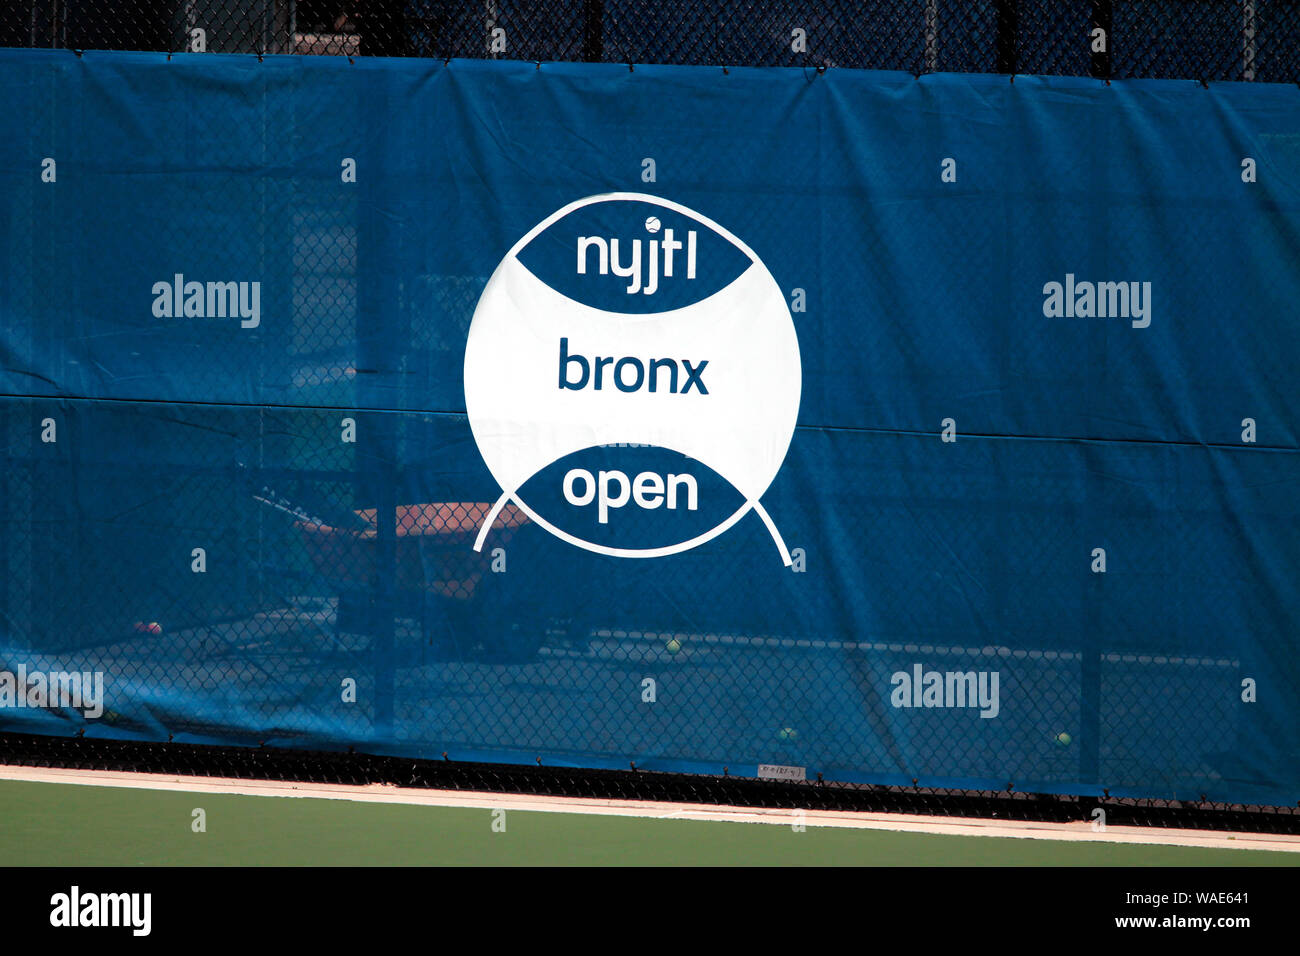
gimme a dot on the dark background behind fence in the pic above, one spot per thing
(1184, 39)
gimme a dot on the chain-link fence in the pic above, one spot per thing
(1194, 39)
(255, 567)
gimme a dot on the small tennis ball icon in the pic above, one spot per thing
(673, 646)
(652, 224)
(1063, 739)
(788, 733)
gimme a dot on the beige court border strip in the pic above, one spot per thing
(901, 822)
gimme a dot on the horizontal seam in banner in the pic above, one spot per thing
(362, 409)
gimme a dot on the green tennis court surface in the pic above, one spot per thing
(75, 825)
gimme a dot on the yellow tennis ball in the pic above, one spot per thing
(1063, 739)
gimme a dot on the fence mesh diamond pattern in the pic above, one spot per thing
(271, 552)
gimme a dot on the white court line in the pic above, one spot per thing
(909, 823)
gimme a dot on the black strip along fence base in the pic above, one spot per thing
(349, 768)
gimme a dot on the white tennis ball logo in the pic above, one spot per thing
(620, 323)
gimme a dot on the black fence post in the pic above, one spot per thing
(1102, 19)
(1090, 689)
(384, 631)
(593, 31)
(1008, 18)
(9, 534)
(380, 346)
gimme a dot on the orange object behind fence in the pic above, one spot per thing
(434, 547)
